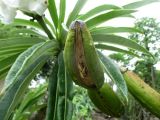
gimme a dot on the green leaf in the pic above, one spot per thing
(27, 32)
(21, 73)
(10, 51)
(23, 22)
(97, 10)
(75, 12)
(67, 105)
(6, 63)
(29, 100)
(19, 41)
(116, 49)
(52, 92)
(99, 19)
(51, 26)
(62, 11)
(106, 30)
(65, 90)
(139, 4)
(118, 40)
(3, 73)
(115, 75)
(53, 12)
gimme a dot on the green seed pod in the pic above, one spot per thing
(107, 101)
(81, 58)
(144, 94)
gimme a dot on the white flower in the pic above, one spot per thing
(32, 6)
(7, 13)
(38, 6)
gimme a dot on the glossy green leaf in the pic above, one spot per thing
(52, 92)
(53, 12)
(118, 40)
(75, 12)
(113, 48)
(106, 30)
(97, 10)
(99, 19)
(21, 73)
(139, 3)
(115, 75)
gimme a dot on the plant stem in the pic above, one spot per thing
(44, 26)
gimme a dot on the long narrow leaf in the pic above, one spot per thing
(91, 23)
(65, 105)
(31, 98)
(21, 73)
(106, 30)
(62, 10)
(52, 92)
(114, 73)
(116, 49)
(118, 40)
(53, 12)
(17, 41)
(24, 22)
(74, 14)
(139, 3)
(27, 32)
(98, 10)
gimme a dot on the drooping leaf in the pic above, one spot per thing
(27, 32)
(118, 40)
(74, 14)
(97, 10)
(21, 73)
(116, 49)
(19, 41)
(139, 3)
(115, 75)
(99, 19)
(23, 22)
(106, 30)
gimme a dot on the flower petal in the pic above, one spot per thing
(38, 6)
(32, 6)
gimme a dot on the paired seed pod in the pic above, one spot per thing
(106, 100)
(81, 58)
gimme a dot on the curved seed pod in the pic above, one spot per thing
(146, 95)
(107, 101)
(81, 58)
